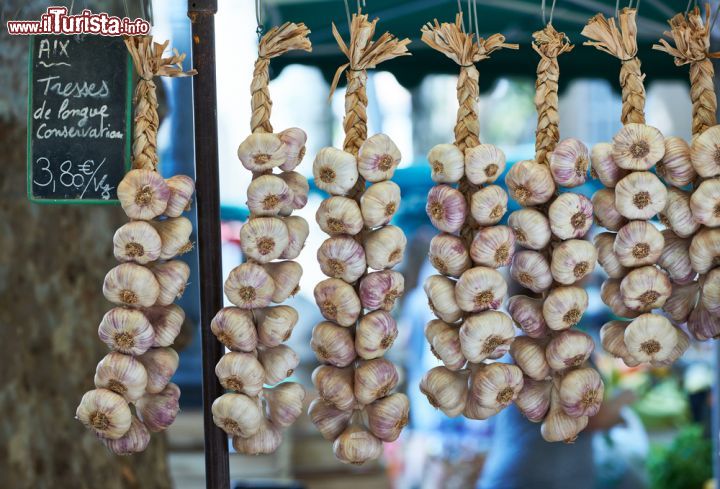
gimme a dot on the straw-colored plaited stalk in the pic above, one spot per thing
(692, 46)
(362, 53)
(621, 43)
(148, 59)
(277, 41)
(461, 47)
(549, 44)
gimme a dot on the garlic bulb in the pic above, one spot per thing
(388, 416)
(264, 239)
(569, 163)
(445, 390)
(638, 147)
(484, 163)
(132, 285)
(485, 335)
(564, 307)
(533, 400)
(329, 420)
(378, 157)
(447, 163)
(705, 250)
(166, 321)
(268, 195)
(527, 314)
(380, 290)
(374, 379)
(174, 235)
(645, 289)
(182, 188)
(558, 425)
(678, 214)
(681, 302)
(275, 324)
(607, 215)
(335, 171)
(705, 203)
(475, 410)
(279, 363)
(703, 153)
(480, 289)
(703, 324)
(448, 255)
(339, 215)
(711, 291)
(126, 330)
(440, 292)
(299, 189)
(650, 338)
(356, 446)
(488, 205)
(237, 414)
(160, 365)
(294, 140)
(531, 270)
(335, 386)
(285, 403)
(375, 334)
(604, 242)
(337, 301)
(675, 258)
(265, 441)
(496, 385)
(446, 207)
(638, 243)
(333, 344)
(379, 203)
(137, 241)
(158, 411)
(143, 194)
(611, 295)
(581, 392)
(530, 183)
(342, 257)
(286, 275)
(249, 286)
(571, 216)
(298, 231)
(612, 337)
(569, 349)
(385, 247)
(683, 343)
(604, 167)
(529, 355)
(260, 152)
(240, 372)
(135, 440)
(121, 374)
(640, 195)
(573, 260)
(676, 167)
(445, 344)
(531, 228)
(493, 246)
(235, 328)
(172, 276)
(105, 413)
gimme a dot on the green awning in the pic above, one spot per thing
(516, 19)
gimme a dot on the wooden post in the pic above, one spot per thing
(202, 17)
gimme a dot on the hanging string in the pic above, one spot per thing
(259, 19)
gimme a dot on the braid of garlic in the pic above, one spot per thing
(261, 102)
(633, 92)
(702, 93)
(467, 127)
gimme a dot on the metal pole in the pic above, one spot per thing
(201, 13)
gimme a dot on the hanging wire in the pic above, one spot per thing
(259, 19)
(715, 17)
(125, 7)
(460, 10)
(347, 13)
(477, 25)
(358, 5)
(617, 8)
(552, 12)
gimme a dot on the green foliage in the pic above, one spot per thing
(685, 464)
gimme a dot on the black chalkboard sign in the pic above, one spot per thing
(79, 118)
